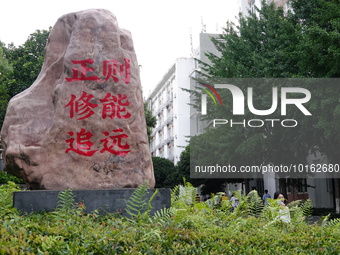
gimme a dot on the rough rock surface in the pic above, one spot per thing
(81, 124)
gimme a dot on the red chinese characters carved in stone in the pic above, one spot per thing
(114, 106)
(83, 71)
(81, 144)
(115, 70)
(111, 69)
(82, 107)
(114, 144)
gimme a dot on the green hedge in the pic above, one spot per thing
(198, 228)
(6, 177)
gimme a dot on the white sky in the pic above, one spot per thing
(160, 29)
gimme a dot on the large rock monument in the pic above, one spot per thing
(81, 124)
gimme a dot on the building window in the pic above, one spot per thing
(171, 151)
(169, 111)
(161, 136)
(160, 118)
(161, 152)
(169, 129)
(297, 185)
(160, 100)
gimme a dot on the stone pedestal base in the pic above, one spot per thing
(105, 201)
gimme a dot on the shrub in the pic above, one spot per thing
(185, 228)
(6, 177)
(164, 172)
(6, 200)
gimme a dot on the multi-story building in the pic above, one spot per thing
(170, 103)
(249, 5)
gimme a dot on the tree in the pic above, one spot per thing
(271, 44)
(264, 44)
(183, 167)
(301, 43)
(164, 170)
(5, 69)
(19, 67)
(320, 45)
(150, 120)
(319, 20)
(183, 172)
(26, 61)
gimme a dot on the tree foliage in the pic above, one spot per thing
(23, 65)
(303, 43)
(5, 69)
(183, 167)
(262, 45)
(320, 45)
(151, 120)
(164, 170)
(26, 61)
(270, 43)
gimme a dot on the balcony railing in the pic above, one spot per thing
(169, 139)
(168, 120)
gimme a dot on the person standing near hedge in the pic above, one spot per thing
(281, 198)
(284, 213)
(265, 196)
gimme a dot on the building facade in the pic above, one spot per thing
(170, 103)
(249, 5)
